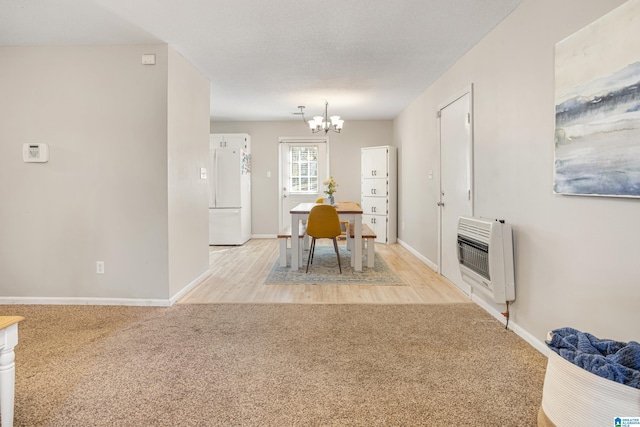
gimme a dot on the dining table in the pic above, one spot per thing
(349, 211)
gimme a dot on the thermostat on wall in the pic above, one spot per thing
(35, 153)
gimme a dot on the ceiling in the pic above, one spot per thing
(368, 58)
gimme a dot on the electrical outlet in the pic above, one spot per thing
(402, 225)
(100, 267)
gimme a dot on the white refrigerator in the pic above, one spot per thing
(229, 192)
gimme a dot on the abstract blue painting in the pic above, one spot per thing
(597, 135)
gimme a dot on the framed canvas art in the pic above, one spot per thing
(597, 97)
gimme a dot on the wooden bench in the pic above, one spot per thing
(369, 236)
(284, 236)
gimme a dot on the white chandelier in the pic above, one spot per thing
(323, 123)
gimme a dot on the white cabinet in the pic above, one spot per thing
(231, 140)
(374, 205)
(379, 172)
(373, 187)
(378, 223)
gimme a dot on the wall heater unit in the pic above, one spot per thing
(485, 256)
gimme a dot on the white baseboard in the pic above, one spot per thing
(190, 286)
(264, 236)
(522, 333)
(84, 301)
(141, 302)
(418, 255)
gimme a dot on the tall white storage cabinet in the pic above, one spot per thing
(379, 171)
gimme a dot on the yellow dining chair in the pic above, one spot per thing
(344, 224)
(323, 223)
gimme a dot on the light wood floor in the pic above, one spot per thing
(239, 272)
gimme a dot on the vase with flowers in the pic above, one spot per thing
(330, 187)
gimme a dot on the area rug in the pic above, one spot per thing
(324, 270)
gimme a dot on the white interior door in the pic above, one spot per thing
(456, 162)
(304, 166)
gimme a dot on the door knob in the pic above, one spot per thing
(440, 204)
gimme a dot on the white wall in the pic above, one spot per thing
(344, 150)
(576, 257)
(104, 193)
(188, 151)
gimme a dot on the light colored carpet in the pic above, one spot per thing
(324, 270)
(273, 365)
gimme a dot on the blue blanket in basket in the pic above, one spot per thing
(614, 360)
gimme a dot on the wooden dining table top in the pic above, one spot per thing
(341, 208)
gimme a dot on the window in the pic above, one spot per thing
(303, 163)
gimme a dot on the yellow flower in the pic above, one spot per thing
(331, 186)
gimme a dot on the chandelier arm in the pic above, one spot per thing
(301, 107)
(326, 112)
(326, 127)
